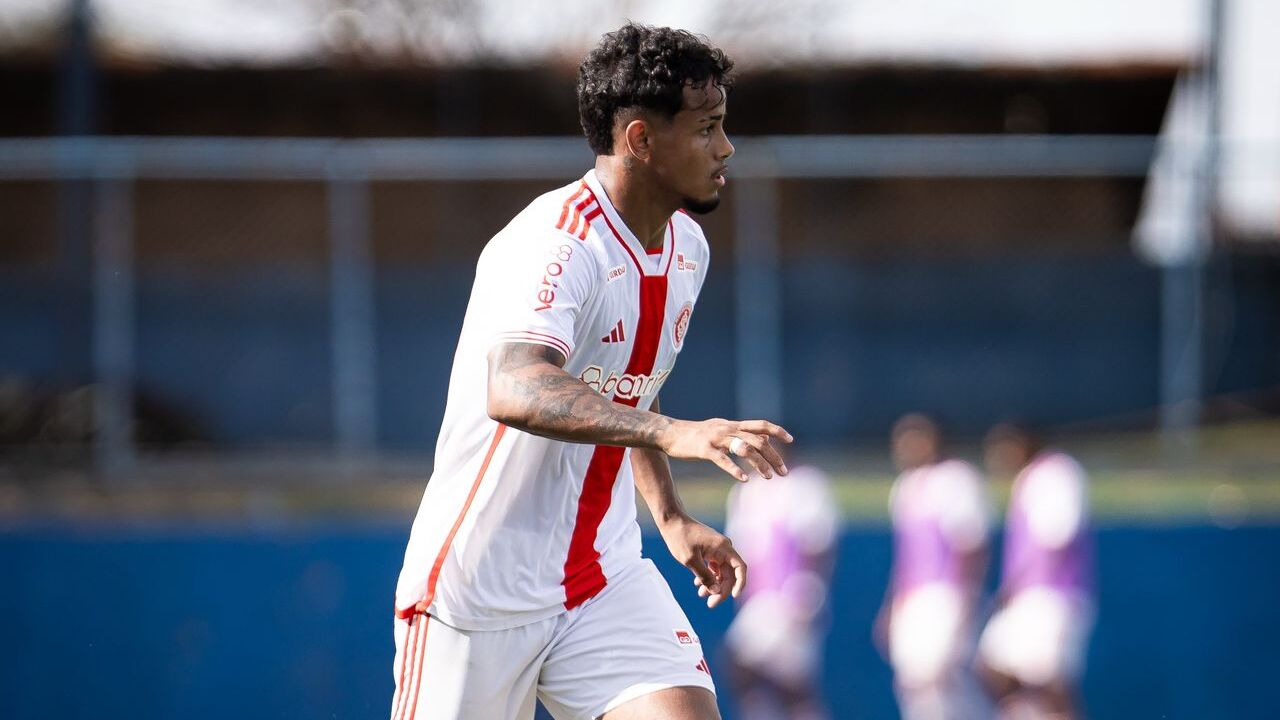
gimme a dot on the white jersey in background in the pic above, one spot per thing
(513, 527)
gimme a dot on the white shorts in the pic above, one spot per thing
(1038, 637)
(775, 639)
(929, 635)
(630, 640)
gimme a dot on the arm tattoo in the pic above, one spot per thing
(538, 396)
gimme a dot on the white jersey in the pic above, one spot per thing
(514, 527)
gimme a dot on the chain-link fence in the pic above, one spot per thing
(305, 295)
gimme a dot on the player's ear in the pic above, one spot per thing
(638, 139)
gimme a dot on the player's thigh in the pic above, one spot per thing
(443, 672)
(676, 703)
(775, 639)
(1031, 639)
(630, 642)
(926, 634)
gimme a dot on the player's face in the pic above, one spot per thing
(1006, 456)
(691, 151)
(914, 448)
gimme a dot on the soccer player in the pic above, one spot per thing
(1032, 649)
(523, 575)
(941, 515)
(786, 531)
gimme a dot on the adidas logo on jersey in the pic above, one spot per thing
(615, 335)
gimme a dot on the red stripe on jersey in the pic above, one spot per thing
(672, 227)
(583, 576)
(564, 211)
(653, 308)
(623, 243)
(577, 213)
(425, 603)
(592, 214)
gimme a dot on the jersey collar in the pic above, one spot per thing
(648, 264)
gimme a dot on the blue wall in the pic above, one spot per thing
(295, 622)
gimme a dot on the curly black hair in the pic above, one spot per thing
(645, 67)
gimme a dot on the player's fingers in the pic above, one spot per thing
(723, 461)
(764, 427)
(739, 566)
(756, 460)
(705, 576)
(728, 579)
(768, 453)
(702, 589)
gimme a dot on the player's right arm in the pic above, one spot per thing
(529, 390)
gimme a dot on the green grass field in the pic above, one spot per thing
(1231, 477)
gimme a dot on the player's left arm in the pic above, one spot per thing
(718, 569)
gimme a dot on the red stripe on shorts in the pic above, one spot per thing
(410, 651)
(422, 660)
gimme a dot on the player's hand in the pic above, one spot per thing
(718, 570)
(720, 441)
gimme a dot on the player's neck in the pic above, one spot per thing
(643, 208)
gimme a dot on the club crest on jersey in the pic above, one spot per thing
(681, 325)
(684, 637)
(625, 386)
(685, 265)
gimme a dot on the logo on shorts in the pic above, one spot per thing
(703, 666)
(684, 637)
(681, 325)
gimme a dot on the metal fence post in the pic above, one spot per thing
(352, 311)
(758, 298)
(113, 323)
(1182, 282)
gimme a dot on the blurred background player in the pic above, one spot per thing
(785, 529)
(1032, 650)
(940, 515)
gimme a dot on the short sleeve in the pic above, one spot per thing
(537, 288)
(1055, 502)
(811, 509)
(963, 510)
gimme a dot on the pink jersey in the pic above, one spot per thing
(781, 527)
(940, 513)
(1047, 540)
(514, 527)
